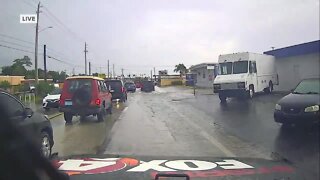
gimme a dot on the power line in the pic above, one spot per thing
(35, 1)
(17, 39)
(28, 3)
(1, 45)
(28, 42)
(51, 57)
(16, 44)
(59, 60)
(58, 21)
(56, 52)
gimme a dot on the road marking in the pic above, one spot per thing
(207, 136)
(55, 115)
(126, 108)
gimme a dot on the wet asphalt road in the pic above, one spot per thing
(173, 122)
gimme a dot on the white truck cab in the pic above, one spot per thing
(244, 74)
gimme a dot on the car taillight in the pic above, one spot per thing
(97, 102)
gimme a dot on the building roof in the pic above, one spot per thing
(85, 77)
(296, 50)
(202, 65)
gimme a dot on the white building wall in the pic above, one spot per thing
(292, 70)
(205, 77)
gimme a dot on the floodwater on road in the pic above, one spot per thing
(83, 136)
(172, 121)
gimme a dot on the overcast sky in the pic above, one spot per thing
(141, 34)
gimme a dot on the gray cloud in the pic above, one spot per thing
(137, 35)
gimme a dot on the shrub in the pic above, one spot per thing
(18, 88)
(43, 88)
(5, 85)
(176, 83)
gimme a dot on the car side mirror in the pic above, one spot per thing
(28, 112)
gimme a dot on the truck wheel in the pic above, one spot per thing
(45, 144)
(222, 98)
(270, 88)
(101, 113)
(286, 126)
(123, 99)
(109, 110)
(100, 117)
(67, 117)
(251, 92)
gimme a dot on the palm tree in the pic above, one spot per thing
(181, 68)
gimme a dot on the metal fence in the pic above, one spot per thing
(26, 97)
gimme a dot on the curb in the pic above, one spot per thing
(55, 115)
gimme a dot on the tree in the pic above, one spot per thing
(18, 67)
(5, 85)
(18, 70)
(181, 68)
(25, 61)
(7, 70)
(43, 88)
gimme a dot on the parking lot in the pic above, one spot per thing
(173, 122)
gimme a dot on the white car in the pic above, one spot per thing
(51, 100)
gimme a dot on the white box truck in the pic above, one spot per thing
(244, 74)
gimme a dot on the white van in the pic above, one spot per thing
(244, 74)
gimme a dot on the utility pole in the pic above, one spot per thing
(151, 74)
(154, 73)
(36, 47)
(73, 71)
(45, 62)
(108, 70)
(89, 68)
(85, 58)
(113, 74)
(122, 72)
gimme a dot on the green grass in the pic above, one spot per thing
(38, 100)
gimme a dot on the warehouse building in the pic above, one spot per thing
(295, 63)
(204, 74)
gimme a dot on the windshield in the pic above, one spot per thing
(225, 68)
(165, 78)
(75, 84)
(56, 92)
(310, 86)
(147, 83)
(240, 67)
(115, 85)
(129, 84)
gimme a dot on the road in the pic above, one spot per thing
(173, 122)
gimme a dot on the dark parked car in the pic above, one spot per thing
(130, 86)
(117, 89)
(84, 96)
(35, 125)
(301, 106)
(147, 86)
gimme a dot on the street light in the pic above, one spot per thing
(49, 27)
(36, 45)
